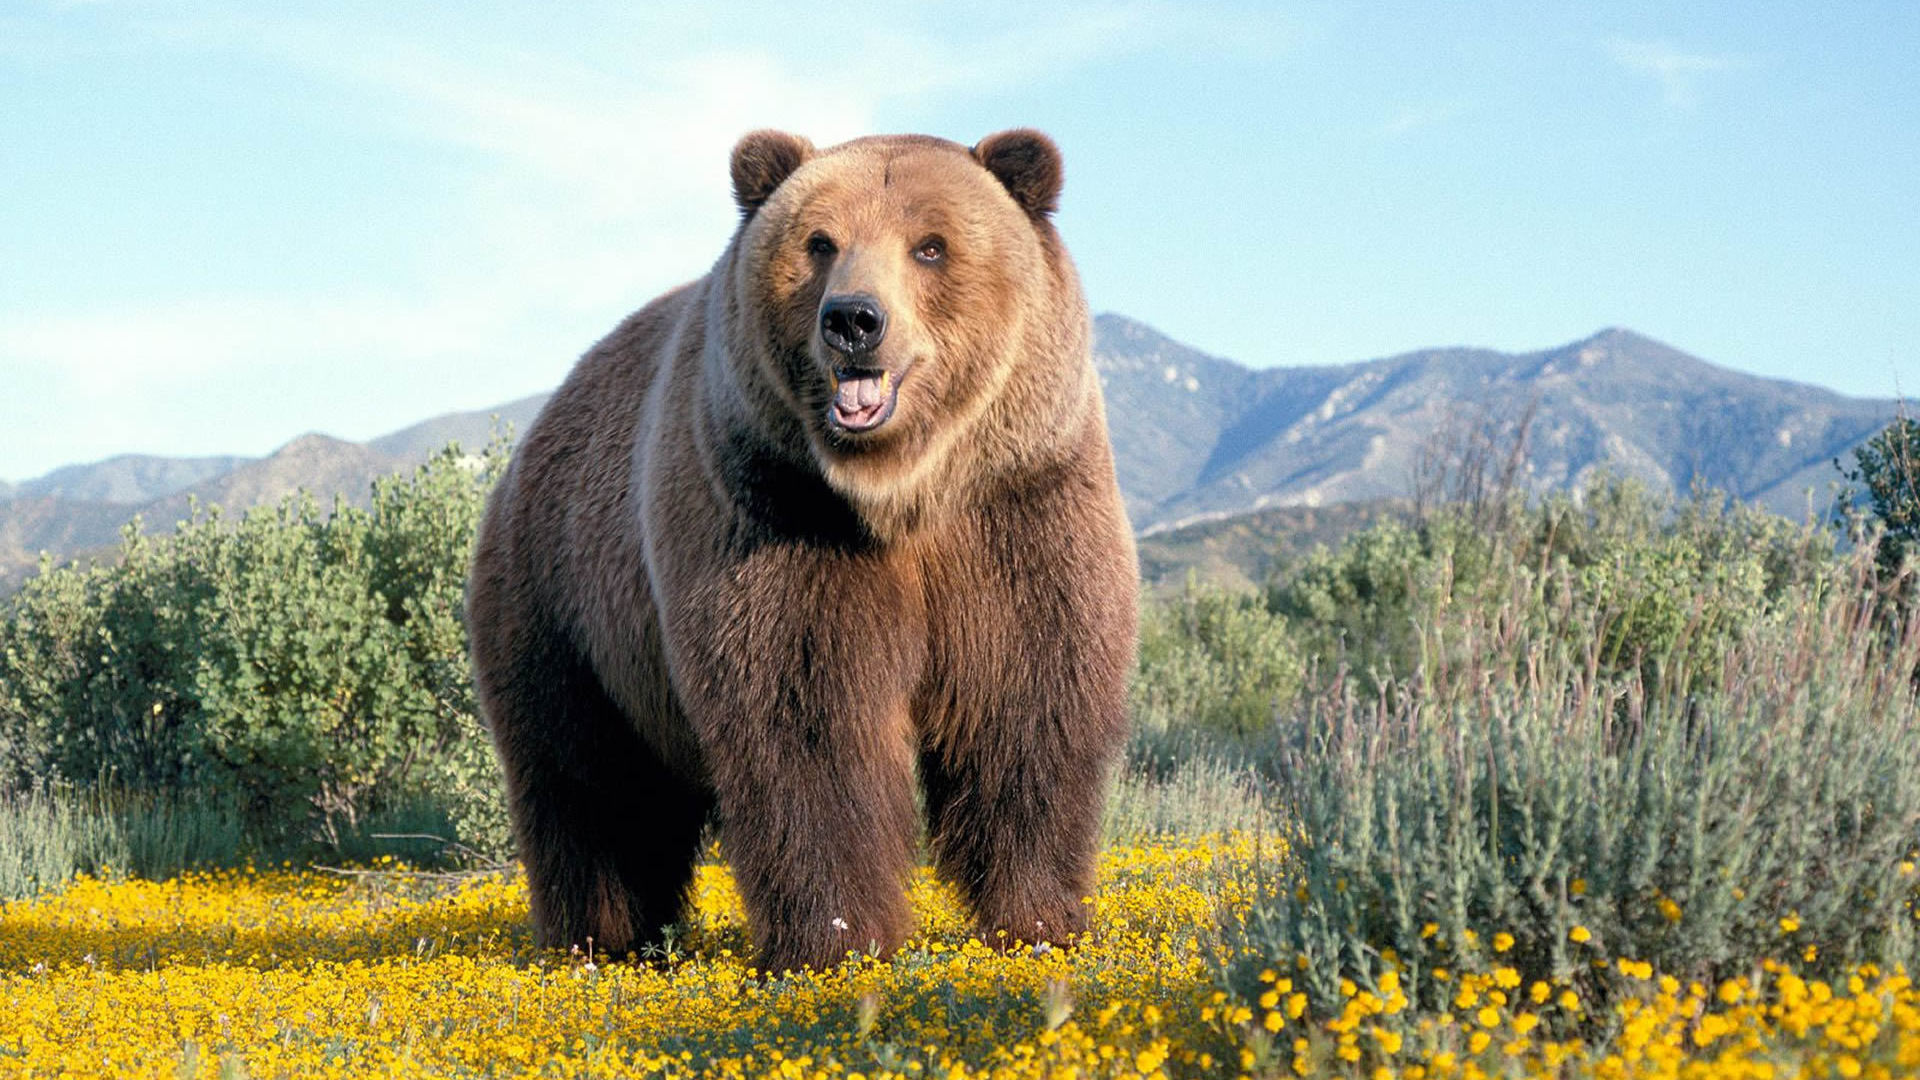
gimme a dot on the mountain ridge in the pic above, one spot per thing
(1614, 399)
(1196, 437)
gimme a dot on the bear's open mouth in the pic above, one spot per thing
(863, 398)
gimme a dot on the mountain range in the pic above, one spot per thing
(1196, 438)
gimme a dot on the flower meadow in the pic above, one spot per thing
(299, 973)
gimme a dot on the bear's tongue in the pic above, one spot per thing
(862, 401)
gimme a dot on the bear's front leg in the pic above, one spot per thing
(1014, 808)
(1024, 715)
(795, 668)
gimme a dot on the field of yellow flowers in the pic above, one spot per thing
(298, 973)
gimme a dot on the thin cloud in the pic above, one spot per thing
(1676, 71)
(137, 350)
(1412, 118)
(587, 190)
(227, 374)
(598, 186)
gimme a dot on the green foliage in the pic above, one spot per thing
(311, 665)
(97, 665)
(1358, 604)
(1887, 466)
(1668, 586)
(1216, 661)
(1670, 733)
(304, 690)
(1670, 724)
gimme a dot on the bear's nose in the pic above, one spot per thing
(853, 323)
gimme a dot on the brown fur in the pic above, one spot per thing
(691, 591)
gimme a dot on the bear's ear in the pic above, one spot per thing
(761, 161)
(1028, 165)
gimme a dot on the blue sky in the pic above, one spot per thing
(224, 225)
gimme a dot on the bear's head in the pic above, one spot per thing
(903, 294)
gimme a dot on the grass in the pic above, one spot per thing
(45, 840)
(51, 832)
(1187, 797)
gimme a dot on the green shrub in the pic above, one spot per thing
(1357, 605)
(1886, 470)
(1527, 786)
(1214, 661)
(1669, 584)
(422, 536)
(312, 666)
(97, 669)
(304, 693)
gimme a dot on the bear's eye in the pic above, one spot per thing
(931, 250)
(821, 245)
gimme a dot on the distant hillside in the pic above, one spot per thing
(318, 463)
(1196, 439)
(1245, 551)
(470, 429)
(69, 527)
(1200, 437)
(62, 527)
(129, 480)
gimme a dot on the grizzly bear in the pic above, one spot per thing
(824, 540)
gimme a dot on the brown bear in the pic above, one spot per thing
(830, 527)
